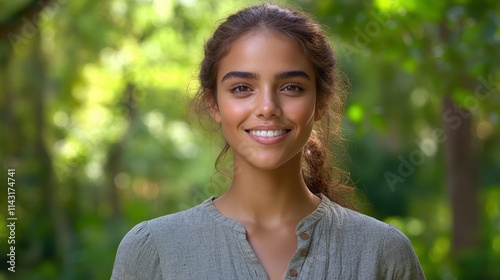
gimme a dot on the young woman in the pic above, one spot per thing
(268, 80)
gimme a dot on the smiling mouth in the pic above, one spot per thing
(268, 133)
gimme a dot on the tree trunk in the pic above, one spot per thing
(10, 139)
(63, 234)
(116, 150)
(461, 176)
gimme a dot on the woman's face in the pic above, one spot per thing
(266, 96)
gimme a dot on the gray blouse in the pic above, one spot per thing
(200, 243)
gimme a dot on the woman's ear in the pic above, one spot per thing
(213, 109)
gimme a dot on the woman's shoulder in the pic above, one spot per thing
(361, 237)
(349, 221)
(147, 229)
(178, 220)
(142, 247)
(171, 226)
(137, 256)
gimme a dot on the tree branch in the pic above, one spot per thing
(15, 21)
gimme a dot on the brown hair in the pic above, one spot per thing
(320, 174)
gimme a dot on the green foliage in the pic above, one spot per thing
(402, 57)
(94, 97)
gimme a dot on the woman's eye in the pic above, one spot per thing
(292, 88)
(240, 89)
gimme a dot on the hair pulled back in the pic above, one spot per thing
(319, 172)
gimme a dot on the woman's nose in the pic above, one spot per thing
(268, 105)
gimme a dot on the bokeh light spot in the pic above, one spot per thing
(122, 180)
(415, 227)
(484, 130)
(419, 97)
(440, 249)
(355, 113)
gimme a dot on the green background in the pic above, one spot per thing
(93, 100)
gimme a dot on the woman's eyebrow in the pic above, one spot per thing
(291, 74)
(255, 76)
(240, 74)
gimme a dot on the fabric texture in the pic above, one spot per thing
(200, 243)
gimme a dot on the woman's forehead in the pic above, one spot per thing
(264, 52)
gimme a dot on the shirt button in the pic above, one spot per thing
(293, 272)
(304, 236)
(303, 252)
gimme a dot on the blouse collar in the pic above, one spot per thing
(308, 222)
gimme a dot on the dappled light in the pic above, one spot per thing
(97, 125)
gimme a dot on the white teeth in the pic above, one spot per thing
(268, 133)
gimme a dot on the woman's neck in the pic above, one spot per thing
(268, 198)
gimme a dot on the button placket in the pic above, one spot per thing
(304, 236)
(303, 252)
(303, 242)
(293, 272)
(305, 246)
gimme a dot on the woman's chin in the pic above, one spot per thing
(267, 162)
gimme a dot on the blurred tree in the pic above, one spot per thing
(448, 49)
(15, 16)
(94, 96)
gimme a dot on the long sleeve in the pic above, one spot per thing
(137, 256)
